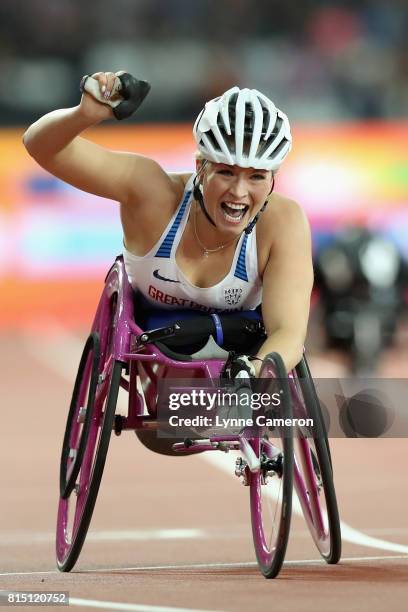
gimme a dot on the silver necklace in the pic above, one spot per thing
(205, 250)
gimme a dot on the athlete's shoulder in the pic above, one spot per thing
(180, 178)
(283, 221)
(285, 211)
(281, 203)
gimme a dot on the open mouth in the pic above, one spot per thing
(234, 213)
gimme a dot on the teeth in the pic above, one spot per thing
(236, 206)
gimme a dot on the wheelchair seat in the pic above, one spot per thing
(200, 335)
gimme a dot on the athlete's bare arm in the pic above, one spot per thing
(55, 143)
(287, 285)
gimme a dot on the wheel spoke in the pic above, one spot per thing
(86, 443)
(271, 494)
(313, 472)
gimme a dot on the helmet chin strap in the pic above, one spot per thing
(251, 224)
(199, 197)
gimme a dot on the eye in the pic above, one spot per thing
(258, 177)
(224, 172)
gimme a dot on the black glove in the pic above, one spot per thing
(133, 93)
(129, 96)
(241, 366)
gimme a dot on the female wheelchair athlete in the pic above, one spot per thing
(118, 353)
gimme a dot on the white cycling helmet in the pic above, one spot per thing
(244, 128)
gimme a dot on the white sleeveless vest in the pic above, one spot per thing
(157, 276)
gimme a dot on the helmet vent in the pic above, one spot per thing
(265, 121)
(278, 149)
(276, 128)
(264, 145)
(245, 128)
(213, 140)
(229, 140)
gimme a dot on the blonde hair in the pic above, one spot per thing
(200, 157)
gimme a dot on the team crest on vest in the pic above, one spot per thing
(232, 295)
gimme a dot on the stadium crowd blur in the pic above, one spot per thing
(321, 59)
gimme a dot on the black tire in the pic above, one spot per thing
(270, 551)
(330, 550)
(322, 461)
(99, 459)
(92, 344)
(312, 402)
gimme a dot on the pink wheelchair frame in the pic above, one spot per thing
(271, 465)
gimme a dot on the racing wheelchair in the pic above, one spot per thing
(119, 353)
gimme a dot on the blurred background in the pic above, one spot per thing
(338, 69)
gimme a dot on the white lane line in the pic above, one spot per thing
(207, 566)
(115, 605)
(56, 359)
(111, 605)
(21, 538)
(134, 535)
(40, 573)
(254, 564)
(349, 534)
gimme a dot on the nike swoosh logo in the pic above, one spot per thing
(168, 280)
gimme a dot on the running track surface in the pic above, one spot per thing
(174, 533)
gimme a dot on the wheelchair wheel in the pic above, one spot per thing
(271, 487)
(79, 416)
(312, 401)
(313, 477)
(313, 481)
(77, 504)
